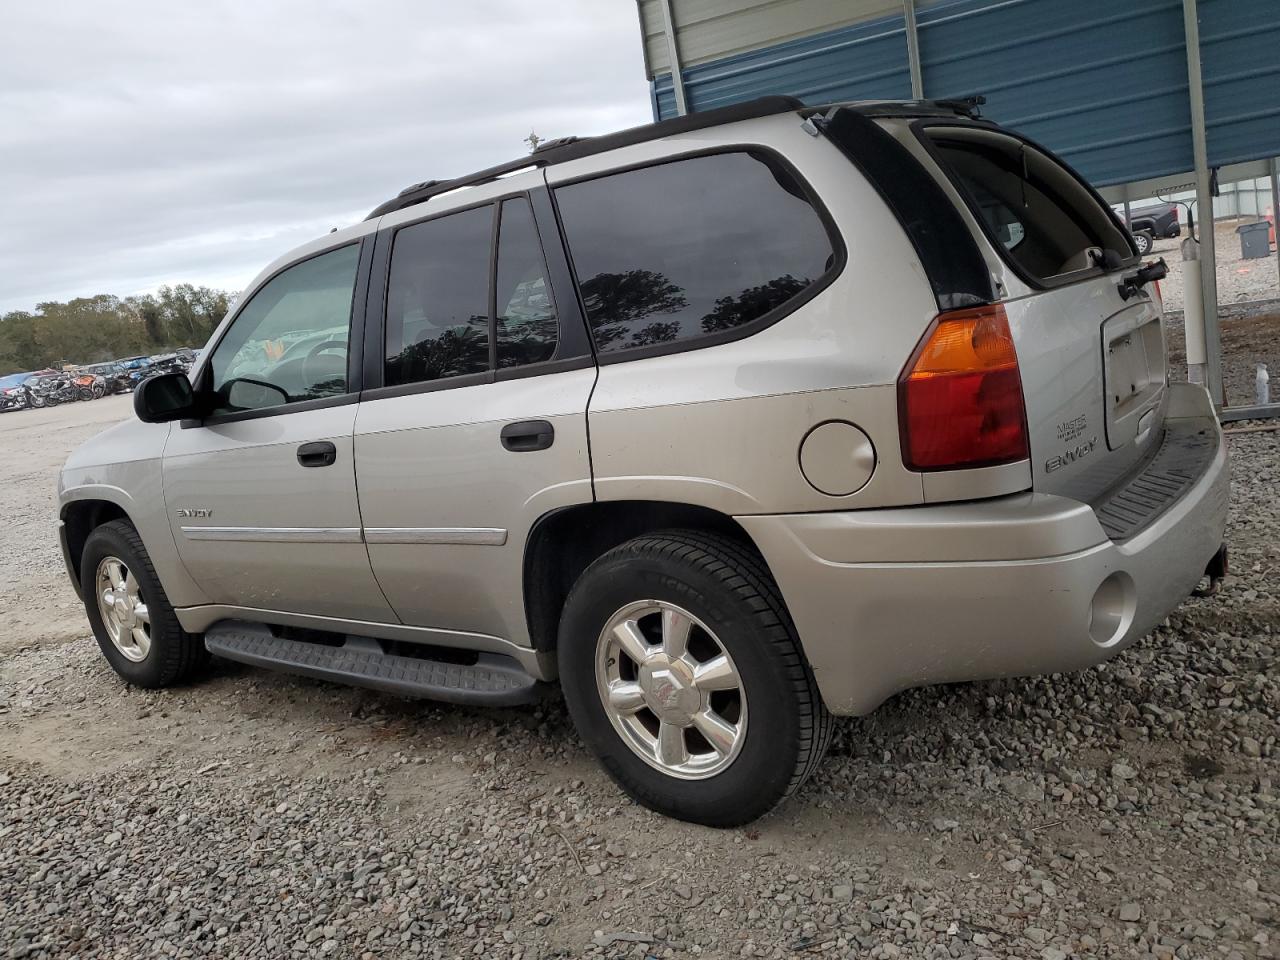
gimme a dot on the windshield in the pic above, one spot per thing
(1044, 220)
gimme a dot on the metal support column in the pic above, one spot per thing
(673, 53)
(913, 49)
(1275, 206)
(1204, 200)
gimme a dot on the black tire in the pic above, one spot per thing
(174, 656)
(1144, 240)
(725, 585)
(99, 391)
(38, 402)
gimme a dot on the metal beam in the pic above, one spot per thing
(913, 49)
(1275, 205)
(1179, 182)
(673, 53)
(1204, 204)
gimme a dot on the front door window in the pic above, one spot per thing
(289, 342)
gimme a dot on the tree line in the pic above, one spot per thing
(93, 329)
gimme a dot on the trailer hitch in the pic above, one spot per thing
(1216, 571)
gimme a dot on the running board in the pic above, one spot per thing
(494, 680)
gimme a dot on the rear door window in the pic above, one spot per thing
(692, 248)
(438, 298)
(526, 330)
(1043, 219)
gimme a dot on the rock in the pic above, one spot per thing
(1130, 912)
(602, 939)
(1122, 771)
(1250, 747)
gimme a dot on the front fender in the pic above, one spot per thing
(135, 488)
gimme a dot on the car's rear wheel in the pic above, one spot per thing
(684, 676)
(131, 616)
(1144, 240)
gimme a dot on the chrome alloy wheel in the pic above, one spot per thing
(671, 690)
(123, 609)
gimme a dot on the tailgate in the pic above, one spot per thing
(1094, 382)
(1092, 363)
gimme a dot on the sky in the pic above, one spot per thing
(146, 143)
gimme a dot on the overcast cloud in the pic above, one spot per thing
(145, 143)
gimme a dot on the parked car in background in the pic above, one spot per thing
(727, 424)
(1151, 223)
(114, 374)
(13, 395)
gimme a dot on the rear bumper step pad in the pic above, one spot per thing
(494, 680)
(1178, 461)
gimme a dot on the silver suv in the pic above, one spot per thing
(729, 424)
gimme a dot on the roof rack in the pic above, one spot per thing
(571, 148)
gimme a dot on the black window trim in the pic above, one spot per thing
(573, 350)
(355, 342)
(700, 341)
(920, 128)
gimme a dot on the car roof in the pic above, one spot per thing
(571, 148)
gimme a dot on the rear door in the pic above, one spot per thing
(1092, 362)
(478, 426)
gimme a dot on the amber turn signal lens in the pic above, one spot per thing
(960, 400)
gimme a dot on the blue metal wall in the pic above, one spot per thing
(1102, 83)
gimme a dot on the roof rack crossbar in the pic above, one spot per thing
(572, 148)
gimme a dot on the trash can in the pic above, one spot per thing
(1255, 240)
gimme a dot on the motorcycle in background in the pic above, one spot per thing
(51, 390)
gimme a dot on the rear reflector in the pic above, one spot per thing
(960, 397)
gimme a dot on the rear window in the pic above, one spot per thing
(1046, 222)
(691, 248)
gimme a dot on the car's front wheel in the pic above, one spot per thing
(131, 616)
(1144, 240)
(683, 674)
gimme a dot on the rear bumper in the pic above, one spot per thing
(1027, 584)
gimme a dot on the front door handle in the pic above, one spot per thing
(321, 453)
(528, 435)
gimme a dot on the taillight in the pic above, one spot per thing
(960, 397)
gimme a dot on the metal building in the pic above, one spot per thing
(1137, 96)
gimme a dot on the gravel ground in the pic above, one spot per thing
(1238, 280)
(1127, 811)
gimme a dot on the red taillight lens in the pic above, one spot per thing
(960, 398)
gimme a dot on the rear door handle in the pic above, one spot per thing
(321, 453)
(528, 435)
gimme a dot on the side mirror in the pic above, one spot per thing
(245, 394)
(163, 398)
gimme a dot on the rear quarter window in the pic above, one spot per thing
(694, 248)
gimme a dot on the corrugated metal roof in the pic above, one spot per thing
(1240, 60)
(1101, 83)
(865, 61)
(713, 29)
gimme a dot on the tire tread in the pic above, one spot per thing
(743, 572)
(184, 658)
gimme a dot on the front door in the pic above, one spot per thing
(480, 425)
(261, 495)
